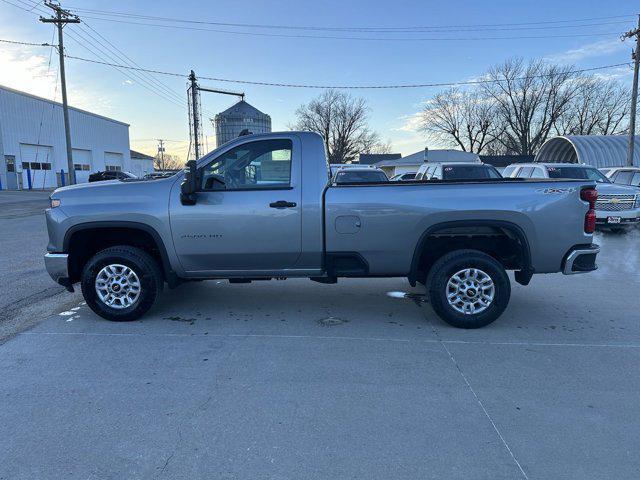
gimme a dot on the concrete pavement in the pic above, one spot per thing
(27, 293)
(299, 380)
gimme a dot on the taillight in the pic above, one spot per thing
(589, 195)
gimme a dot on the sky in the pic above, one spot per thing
(448, 54)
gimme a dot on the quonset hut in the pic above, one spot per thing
(597, 150)
(239, 118)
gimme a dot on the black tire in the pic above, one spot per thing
(144, 266)
(451, 263)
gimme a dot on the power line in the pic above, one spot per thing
(523, 25)
(82, 42)
(337, 37)
(348, 87)
(27, 43)
(131, 62)
(148, 80)
(98, 48)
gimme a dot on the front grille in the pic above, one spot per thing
(615, 203)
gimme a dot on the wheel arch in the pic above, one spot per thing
(515, 230)
(150, 234)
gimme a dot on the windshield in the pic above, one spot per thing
(469, 172)
(577, 173)
(360, 176)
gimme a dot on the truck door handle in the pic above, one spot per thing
(282, 204)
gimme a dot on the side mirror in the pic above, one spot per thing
(188, 187)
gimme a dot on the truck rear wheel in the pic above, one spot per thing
(121, 283)
(468, 288)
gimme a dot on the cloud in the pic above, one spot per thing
(410, 123)
(127, 82)
(618, 73)
(594, 49)
(29, 72)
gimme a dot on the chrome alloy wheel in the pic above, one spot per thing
(470, 291)
(117, 286)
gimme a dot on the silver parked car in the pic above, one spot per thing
(624, 175)
(617, 207)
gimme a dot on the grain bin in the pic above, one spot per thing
(241, 116)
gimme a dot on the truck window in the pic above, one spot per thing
(635, 181)
(509, 170)
(624, 177)
(469, 172)
(263, 164)
(537, 173)
(525, 172)
(360, 176)
(577, 173)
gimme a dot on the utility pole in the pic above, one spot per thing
(634, 90)
(61, 18)
(193, 96)
(161, 152)
(194, 113)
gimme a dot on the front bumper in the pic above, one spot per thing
(581, 259)
(624, 222)
(57, 265)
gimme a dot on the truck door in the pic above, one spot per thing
(247, 217)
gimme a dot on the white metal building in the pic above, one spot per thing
(597, 150)
(32, 142)
(141, 164)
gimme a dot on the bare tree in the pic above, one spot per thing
(461, 119)
(599, 107)
(342, 120)
(167, 162)
(379, 147)
(529, 99)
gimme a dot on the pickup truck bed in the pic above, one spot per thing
(243, 216)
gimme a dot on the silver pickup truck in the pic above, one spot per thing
(263, 206)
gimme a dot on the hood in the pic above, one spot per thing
(115, 186)
(614, 188)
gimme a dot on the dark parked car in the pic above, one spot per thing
(360, 175)
(110, 175)
(457, 171)
(403, 177)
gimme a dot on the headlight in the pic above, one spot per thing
(54, 202)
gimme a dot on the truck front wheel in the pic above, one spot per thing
(468, 288)
(121, 283)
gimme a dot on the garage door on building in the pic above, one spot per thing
(81, 164)
(112, 161)
(37, 161)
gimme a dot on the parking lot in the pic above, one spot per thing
(293, 379)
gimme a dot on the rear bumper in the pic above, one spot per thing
(581, 259)
(57, 265)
